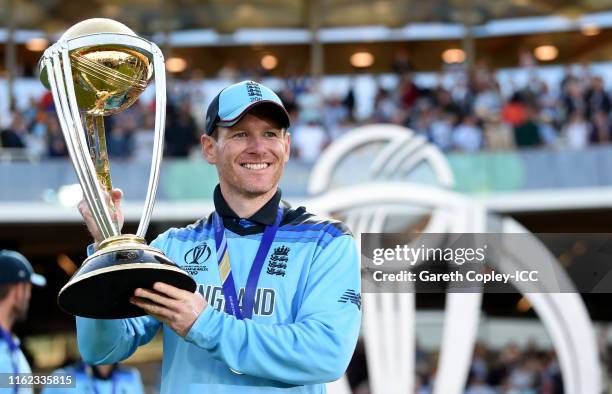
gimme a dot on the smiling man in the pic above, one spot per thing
(278, 305)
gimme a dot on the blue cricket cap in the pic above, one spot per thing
(229, 106)
(14, 268)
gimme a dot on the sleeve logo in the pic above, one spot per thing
(352, 296)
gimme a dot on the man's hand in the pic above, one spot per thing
(116, 214)
(176, 308)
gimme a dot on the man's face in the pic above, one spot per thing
(23, 292)
(250, 156)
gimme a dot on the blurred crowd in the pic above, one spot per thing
(474, 114)
(511, 370)
(36, 131)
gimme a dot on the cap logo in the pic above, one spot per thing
(22, 274)
(254, 91)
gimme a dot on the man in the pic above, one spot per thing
(99, 379)
(284, 315)
(16, 279)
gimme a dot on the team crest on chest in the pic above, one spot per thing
(278, 261)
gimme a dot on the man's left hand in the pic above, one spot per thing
(176, 308)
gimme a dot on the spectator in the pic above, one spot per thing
(597, 99)
(441, 131)
(144, 139)
(514, 112)
(479, 368)
(15, 135)
(552, 383)
(46, 102)
(601, 129)
(311, 105)
(385, 107)
(409, 92)
(498, 134)
(548, 103)
(467, 136)
(444, 100)
(573, 100)
(349, 102)
(297, 83)
(547, 130)
(488, 101)
(478, 385)
(422, 121)
(523, 378)
(287, 96)
(56, 145)
(308, 141)
(197, 98)
(334, 115)
(568, 76)
(527, 134)
(181, 131)
(462, 96)
(31, 111)
(39, 124)
(576, 132)
(119, 142)
(421, 386)
(36, 140)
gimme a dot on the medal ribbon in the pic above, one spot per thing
(232, 305)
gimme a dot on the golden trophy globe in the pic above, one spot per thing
(98, 68)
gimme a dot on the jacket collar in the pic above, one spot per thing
(266, 215)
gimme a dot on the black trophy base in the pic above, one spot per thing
(102, 287)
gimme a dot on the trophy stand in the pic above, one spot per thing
(103, 285)
(98, 68)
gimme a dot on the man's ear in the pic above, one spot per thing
(25, 289)
(12, 293)
(287, 143)
(208, 148)
(17, 291)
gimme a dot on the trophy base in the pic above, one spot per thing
(101, 288)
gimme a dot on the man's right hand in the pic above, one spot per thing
(115, 210)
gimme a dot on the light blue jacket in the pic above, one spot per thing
(305, 323)
(6, 366)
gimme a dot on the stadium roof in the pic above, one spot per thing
(209, 34)
(226, 16)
